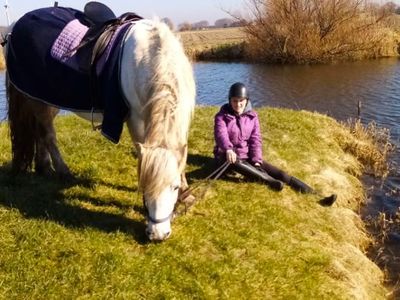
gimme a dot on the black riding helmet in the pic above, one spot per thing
(238, 89)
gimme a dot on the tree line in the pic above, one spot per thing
(220, 23)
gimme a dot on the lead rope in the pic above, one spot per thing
(209, 179)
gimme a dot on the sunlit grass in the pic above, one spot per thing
(85, 239)
(2, 60)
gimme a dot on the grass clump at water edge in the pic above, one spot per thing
(243, 240)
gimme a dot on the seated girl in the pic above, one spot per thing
(238, 141)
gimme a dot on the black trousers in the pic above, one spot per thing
(244, 168)
(275, 172)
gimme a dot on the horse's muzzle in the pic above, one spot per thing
(157, 237)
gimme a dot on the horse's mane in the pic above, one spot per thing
(156, 163)
(167, 108)
(170, 102)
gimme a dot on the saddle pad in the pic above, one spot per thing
(66, 43)
(42, 63)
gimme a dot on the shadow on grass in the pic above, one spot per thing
(207, 165)
(42, 198)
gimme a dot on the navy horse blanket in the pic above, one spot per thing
(44, 62)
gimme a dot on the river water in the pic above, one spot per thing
(331, 89)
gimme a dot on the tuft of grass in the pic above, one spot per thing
(85, 238)
(371, 146)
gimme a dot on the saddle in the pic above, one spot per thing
(98, 13)
(102, 24)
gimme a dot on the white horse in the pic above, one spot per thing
(156, 79)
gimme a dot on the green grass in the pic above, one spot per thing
(85, 239)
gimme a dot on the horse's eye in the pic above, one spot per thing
(175, 187)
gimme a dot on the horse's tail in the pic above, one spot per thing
(22, 125)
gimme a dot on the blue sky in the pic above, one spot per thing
(177, 10)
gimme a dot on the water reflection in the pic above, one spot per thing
(332, 89)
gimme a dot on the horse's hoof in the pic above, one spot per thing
(189, 200)
(184, 204)
(45, 172)
(184, 194)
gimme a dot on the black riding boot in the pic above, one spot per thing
(300, 186)
(246, 169)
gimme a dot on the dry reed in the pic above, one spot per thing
(371, 146)
(2, 60)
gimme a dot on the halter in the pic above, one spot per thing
(162, 220)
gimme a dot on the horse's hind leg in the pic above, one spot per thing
(46, 142)
(22, 129)
(32, 134)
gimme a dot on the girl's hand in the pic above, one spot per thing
(231, 156)
(257, 165)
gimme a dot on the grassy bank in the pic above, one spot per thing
(242, 241)
(214, 44)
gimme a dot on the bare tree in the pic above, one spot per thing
(390, 7)
(316, 30)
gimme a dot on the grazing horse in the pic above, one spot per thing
(144, 80)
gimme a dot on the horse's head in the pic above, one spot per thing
(159, 180)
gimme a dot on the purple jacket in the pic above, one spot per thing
(239, 133)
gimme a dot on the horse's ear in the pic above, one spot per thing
(139, 149)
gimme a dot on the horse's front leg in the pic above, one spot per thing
(42, 158)
(185, 194)
(59, 165)
(184, 184)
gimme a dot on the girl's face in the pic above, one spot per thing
(238, 104)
